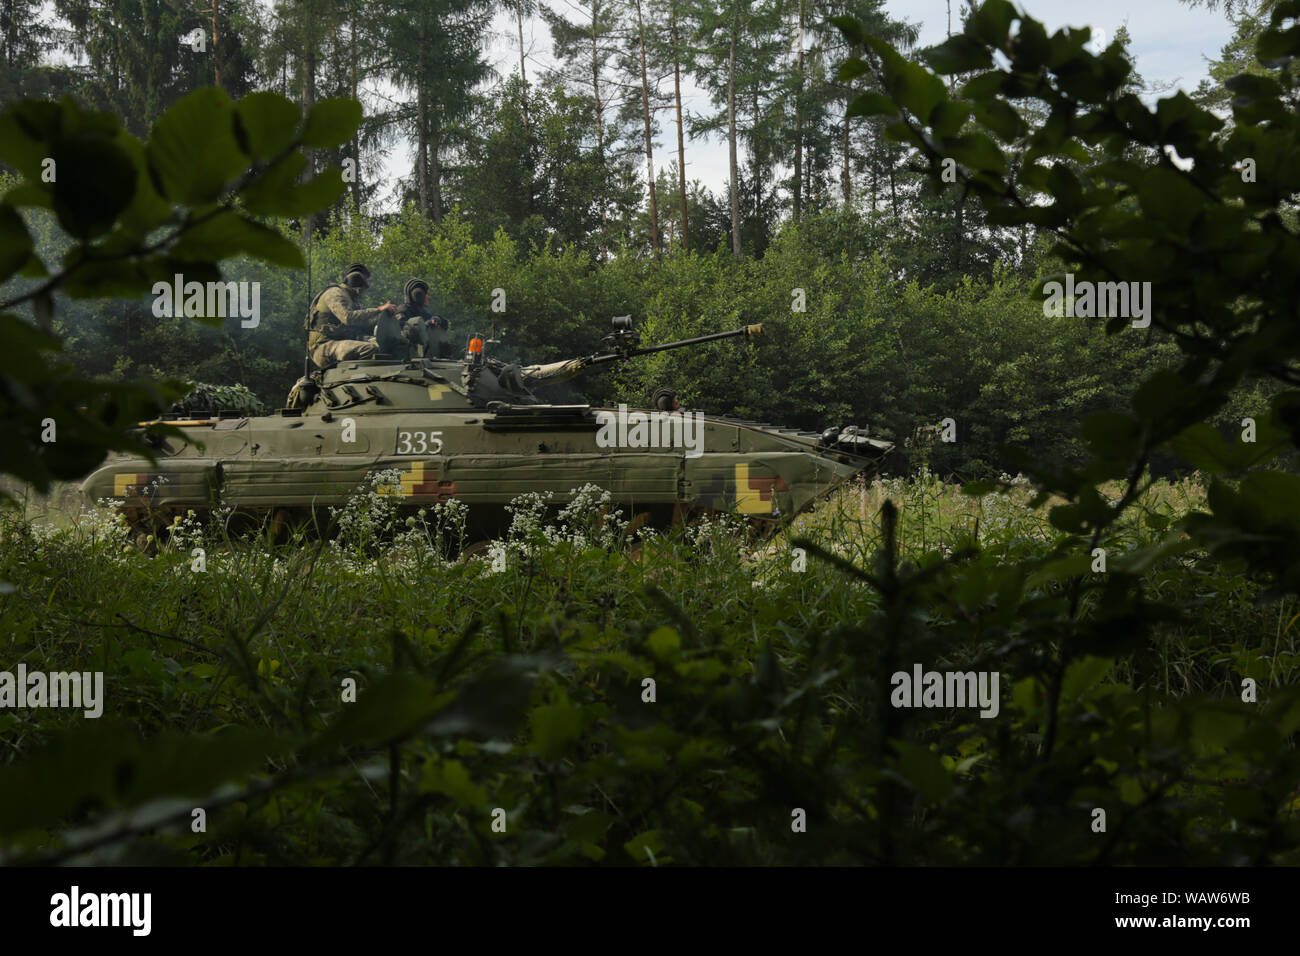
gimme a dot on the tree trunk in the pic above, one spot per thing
(435, 175)
(875, 183)
(681, 140)
(952, 80)
(844, 176)
(731, 137)
(216, 54)
(754, 162)
(798, 123)
(422, 125)
(523, 77)
(649, 145)
(356, 137)
(961, 229)
(600, 132)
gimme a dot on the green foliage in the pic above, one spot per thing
(214, 399)
(685, 702)
(981, 352)
(136, 58)
(138, 213)
(1225, 299)
(529, 696)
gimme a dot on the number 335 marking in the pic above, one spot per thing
(419, 443)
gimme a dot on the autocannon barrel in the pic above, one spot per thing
(569, 368)
(746, 330)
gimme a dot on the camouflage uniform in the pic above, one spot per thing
(302, 394)
(334, 327)
(414, 320)
(412, 310)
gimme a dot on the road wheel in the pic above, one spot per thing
(477, 549)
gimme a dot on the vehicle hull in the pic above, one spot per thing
(295, 467)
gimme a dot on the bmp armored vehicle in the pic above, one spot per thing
(472, 428)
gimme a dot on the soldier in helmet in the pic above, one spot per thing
(419, 327)
(416, 292)
(337, 329)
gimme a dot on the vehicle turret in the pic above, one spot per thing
(474, 381)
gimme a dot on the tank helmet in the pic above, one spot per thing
(357, 276)
(416, 288)
(665, 400)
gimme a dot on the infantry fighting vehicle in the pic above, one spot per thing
(472, 428)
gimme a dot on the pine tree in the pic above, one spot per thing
(522, 9)
(434, 51)
(880, 155)
(675, 55)
(800, 108)
(500, 185)
(649, 129)
(23, 40)
(736, 52)
(585, 47)
(308, 44)
(715, 35)
(143, 55)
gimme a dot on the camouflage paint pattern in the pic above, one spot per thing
(422, 418)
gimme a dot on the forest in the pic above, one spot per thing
(1102, 513)
(544, 187)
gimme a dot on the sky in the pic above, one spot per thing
(1170, 42)
(1169, 38)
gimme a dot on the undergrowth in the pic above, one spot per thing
(694, 696)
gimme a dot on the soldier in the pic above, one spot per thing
(336, 327)
(416, 292)
(418, 326)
